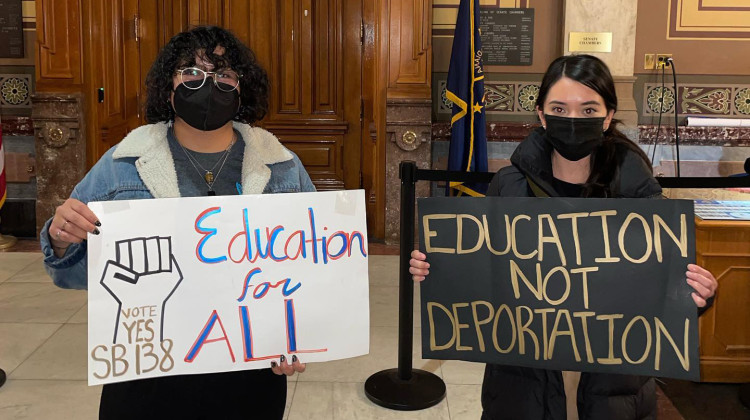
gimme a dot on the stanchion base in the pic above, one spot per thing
(423, 390)
(2, 377)
(7, 242)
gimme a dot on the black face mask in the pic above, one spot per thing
(207, 108)
(574, 138)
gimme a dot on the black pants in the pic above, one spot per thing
(520, 393)
(250, 394)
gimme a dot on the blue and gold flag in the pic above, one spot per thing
(465, 89)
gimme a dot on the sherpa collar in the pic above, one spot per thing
(155, 165)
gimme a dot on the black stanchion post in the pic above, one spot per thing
(408, 175)
(2, 377)
(405, 388)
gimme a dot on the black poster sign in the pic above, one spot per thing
(507, 36)
(592, 285)
(11, 29)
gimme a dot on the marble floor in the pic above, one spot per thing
(43, 350)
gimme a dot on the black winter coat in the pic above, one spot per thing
(519, 393)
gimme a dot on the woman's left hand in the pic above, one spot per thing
(284, 368)
(703, 282)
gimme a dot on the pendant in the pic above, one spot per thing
(211, 193)
(209, 177)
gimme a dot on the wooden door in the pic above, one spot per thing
(114, 76)
(312, 50)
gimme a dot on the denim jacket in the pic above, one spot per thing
(141, 166)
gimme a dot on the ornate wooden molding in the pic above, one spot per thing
(410, 58)
(58, 52)
(333, 127)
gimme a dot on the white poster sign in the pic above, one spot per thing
(215, 284)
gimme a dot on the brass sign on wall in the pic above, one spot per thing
(590, 42)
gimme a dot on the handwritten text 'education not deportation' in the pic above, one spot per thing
(560, 283)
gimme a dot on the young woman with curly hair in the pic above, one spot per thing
(205, 89)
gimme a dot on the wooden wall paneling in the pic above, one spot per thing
(315, 68)
(239, 18)
(112, 61)
(201, 12)
(59, 44)
(290, 59)
(374, 85)
(349, 97)
(723, 247)
(327, 52)
(410, 70)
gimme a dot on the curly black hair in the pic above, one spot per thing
(181, 51)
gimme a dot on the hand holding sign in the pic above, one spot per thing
(703, 282)
(418, 267)
(284, 368)
(142, 267)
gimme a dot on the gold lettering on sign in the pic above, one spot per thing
(590, 42)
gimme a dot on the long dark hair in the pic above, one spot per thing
(605, 160)
(181, 51)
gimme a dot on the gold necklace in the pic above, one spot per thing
(208, 175)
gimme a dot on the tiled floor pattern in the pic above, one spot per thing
(43, 350)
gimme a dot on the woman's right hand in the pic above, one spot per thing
(71, 223)
(418, 267)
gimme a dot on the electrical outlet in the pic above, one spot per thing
(661, 60)
(649, 62)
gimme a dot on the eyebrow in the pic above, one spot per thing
(565, 103)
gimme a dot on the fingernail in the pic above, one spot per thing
(95, 232)
(273, 364)
(98, 223)
(282, 358)
(294, 359)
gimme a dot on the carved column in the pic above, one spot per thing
(408, 127)
(60, 149)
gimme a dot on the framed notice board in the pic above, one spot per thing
(507, 36)
(11, 29)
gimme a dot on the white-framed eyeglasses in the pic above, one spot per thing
(194, 78)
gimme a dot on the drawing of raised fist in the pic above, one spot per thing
(141, 278)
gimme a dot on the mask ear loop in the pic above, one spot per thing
(239, 105)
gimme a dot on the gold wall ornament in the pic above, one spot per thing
(590, 42)
(408, 141)
(55, 135)
(409, 138)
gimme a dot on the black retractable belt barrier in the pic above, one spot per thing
(405, 388)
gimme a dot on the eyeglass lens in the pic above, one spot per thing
(193, 78)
